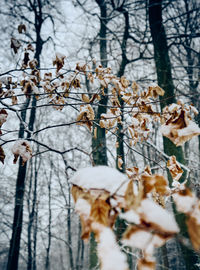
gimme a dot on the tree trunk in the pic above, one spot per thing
(164, 77)
(99, 143)
(14, 249)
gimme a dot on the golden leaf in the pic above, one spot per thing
(155, 91)
(85, 98)
(174, 168)
(155, 181)
(100, 212)
(86, 116)
(129, 196)
(76, 192)
(124, 82)
(134, 87)
(85, 228)
(144, 264)
(2, 155)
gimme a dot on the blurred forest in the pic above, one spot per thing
(54, 59)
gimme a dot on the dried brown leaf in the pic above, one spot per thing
(2, 154)
(100, 212)
(21, 28)
(144, 264)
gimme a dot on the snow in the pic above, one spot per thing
(139, 239)
(153, 213)
(109, 252)
(82, 207)
(180, 136)
(101, 177)
(190, 129)
(131, 216)
(183, 203)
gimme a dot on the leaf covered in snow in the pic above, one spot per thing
(21, 148)
(178, 126)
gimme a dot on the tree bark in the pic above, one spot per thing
(14, 249)
(164, 77)
(99, 143)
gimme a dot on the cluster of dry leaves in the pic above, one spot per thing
(139, 199)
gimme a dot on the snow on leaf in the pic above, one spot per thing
(101, 178)
(136, 237)
(174, 168)
(131, 216)
(158, 217)
(178, 126)
(83, 208)
(184, 200)
(155, 91)
(21, 148)
(109, 253)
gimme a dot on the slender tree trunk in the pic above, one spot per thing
(47, 263)
(99, 142)
(13, 256)
(164, 77)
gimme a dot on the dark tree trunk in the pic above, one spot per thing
(99, 143)
(164, 77)
(13, 256)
